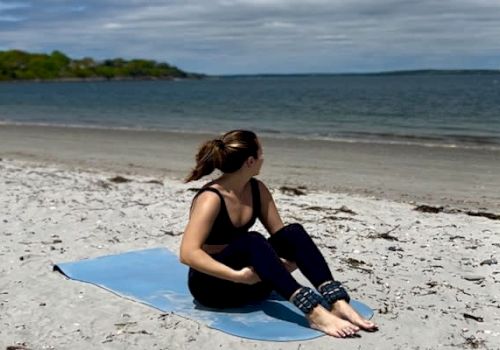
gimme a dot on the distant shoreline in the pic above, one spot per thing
(98, 80)
(193, 76)
(413, 72)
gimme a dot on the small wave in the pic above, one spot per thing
(410, 141)
(420, 143)
(445, 138)
(136, 128)
(446, 141)
(70, 126)
(267, 131)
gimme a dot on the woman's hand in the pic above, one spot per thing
(247, 275)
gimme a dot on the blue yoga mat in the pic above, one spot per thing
(156, 278)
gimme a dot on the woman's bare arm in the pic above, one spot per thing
(203, 214)
(271, 219)
(269, 215)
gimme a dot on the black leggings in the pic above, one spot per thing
(291, 242)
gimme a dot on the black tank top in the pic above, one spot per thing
(223, 231)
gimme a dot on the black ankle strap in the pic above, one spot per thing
(333, 291)
(306, 300)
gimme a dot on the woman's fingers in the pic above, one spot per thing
(249, 275)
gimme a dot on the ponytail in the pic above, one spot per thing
(208, 158)
(227, 153)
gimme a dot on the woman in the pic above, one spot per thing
(230, 266)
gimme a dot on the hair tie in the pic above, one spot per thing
(219, 143)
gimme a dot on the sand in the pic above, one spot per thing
(458, 178)
(433, 278)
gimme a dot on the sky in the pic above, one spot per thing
(263, 36)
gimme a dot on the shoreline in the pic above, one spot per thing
(402, 140)
(461, 178)
(98, 80)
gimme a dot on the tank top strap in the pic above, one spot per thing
(255, 197)
(211, 189)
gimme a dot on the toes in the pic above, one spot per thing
(351, 326)
(353, 333)
(337, 334)
(349, 330)
(368, 324)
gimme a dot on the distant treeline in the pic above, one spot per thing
(20, 65)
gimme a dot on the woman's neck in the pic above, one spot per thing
(233, 182)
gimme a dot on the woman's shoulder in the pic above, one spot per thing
(207, 195)
(262, 186)
(205, 204)
(264, 192)
(213, 186)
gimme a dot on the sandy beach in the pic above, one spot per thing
(454, 177)
(433, 278)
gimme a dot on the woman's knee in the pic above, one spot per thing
(256, 235)
(254, 239)
(256, 246)
(289, 238)
(294, 231)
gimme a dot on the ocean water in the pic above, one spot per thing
(431, 110)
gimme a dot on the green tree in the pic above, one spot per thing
(20, 65)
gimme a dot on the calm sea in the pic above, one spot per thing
(441, 111)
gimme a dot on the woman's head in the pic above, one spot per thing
(227, 153)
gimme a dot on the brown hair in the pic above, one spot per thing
(227, 153)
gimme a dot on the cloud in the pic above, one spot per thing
(6, 7)
(9, 5)
(250, 36)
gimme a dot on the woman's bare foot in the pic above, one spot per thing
(343, 310)
(328, 323)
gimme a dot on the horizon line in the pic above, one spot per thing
(382, 72)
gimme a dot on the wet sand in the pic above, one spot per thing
(452, 177)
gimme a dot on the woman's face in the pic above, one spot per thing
(260, 157)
